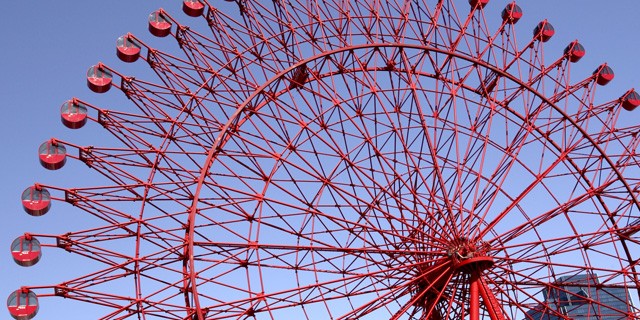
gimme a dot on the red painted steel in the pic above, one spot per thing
(128, 48)
(512, 13)
(193, 8)
(73, 114)
(543, 31)
(631, 100)
(350, 160)
(22, 304)
(604, 74)
(492, 304)
(159, 25)
(36, 200)
(574, 51)
(52, 154)
(478, 4)
(99, 79)
(26, 250)
(474, 296)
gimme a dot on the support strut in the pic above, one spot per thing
(474, 297)
(490, 301)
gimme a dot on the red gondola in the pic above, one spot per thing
(36, 200)
(22, 304)
(26, 250)
(478, 4)
(99, 79)
(128, 49)
(158, 25)
(512, 13)
(193, 8)
(574, 51)
(604, 74)
(73, 114)
(630, 100)
(52, 155)
(543, 31)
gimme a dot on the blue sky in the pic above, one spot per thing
(48, 46)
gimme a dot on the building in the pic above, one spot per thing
(580, 297)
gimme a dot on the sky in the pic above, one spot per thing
(48, 46)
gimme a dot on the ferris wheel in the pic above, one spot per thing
(347, 160)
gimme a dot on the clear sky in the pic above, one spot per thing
(47, 47)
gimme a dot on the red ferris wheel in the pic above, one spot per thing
(348, 160)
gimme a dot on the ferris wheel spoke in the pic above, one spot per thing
(321, 177)
(425, 288)
(361, 230)
(429, 290)
(525, 292)
(534, 222)
(328, 231)
(500, 216)
(468, 157)
(536, 253)
(438, 188)
(320, 293)
(528, 272)
(505, 293)
(492, 305)
(500, 173)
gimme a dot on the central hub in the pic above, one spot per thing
(468, 256)
(465, 260)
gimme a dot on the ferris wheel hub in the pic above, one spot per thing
(469, 256)
(475, 264)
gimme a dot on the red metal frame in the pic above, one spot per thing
(353, 160)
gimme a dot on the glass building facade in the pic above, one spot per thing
(581, 297)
